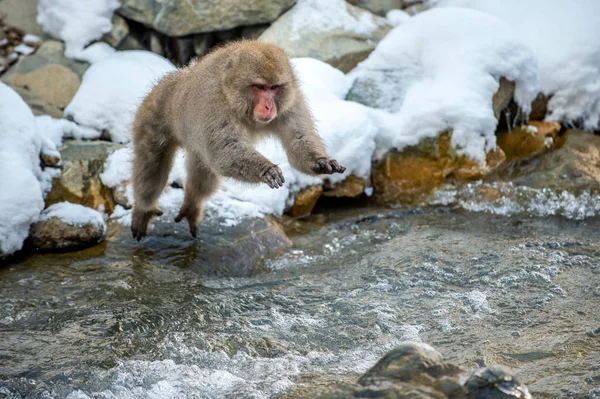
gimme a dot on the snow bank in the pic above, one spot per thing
(76, 22)
(447, 64)
(565, 38)
(112, 89)
(326, 16)
(74, 215)
(23, 182)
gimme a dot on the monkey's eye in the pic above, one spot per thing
(259, 86)
(275, 87)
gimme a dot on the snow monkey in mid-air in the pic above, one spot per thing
(215, 109)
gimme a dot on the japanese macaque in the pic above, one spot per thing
(216, 109)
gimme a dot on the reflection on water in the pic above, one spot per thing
(126, 321)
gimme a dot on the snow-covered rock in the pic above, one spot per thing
(75, 22)
(332, 31)
(68, 226)
(23, 182)
(112, 90)
(565, 38)
(439, 70)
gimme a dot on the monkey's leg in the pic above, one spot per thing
(200, 184)
(303, 146)
(232, 156)
(153, 159)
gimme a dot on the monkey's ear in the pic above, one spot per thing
(229, 63)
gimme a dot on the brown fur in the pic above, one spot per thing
(207, 109)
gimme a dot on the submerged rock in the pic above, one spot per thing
(219, 249)
(341, 40)
(183, 17)
(79, 182)
(67, 226)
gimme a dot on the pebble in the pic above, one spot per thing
(516, 334)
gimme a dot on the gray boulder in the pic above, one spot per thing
(184, 17)
(342, 40)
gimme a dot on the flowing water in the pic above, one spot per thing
(123, 320)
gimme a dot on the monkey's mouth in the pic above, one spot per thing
(264, 120)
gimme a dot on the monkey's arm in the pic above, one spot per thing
(231, 155)
(303, 146)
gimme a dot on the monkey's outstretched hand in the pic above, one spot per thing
(273, 177)
(324, 166)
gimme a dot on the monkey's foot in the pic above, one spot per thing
(324, 166)
(192, 215)
(140, 221)
(273, 177)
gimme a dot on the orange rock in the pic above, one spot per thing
(351, 187)
(305, 201)
(529, 140)
(407, 177)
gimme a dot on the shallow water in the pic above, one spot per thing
(123, 320)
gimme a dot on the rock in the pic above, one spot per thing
(379, 7)
(46, 80)
(67, 226)
(305, 201)
(53, 84)
(49, 159)
(79, 182)
(417, 371)
(119, 31)
(339, 46)
(574, 166)
(528, 140)
(408, 176)
(495, 382)
(22, 14)
(50, 52)
(407, 362)
(221, 250)
(350, 187)
(185, 17)
(37, 105)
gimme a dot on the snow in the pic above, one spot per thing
(565, 38)
(76, 22)
(32, 40)
(447, 77)
(74, 215)
(326, 16)
(112, 89)
(23, 182)
(24, 49)
(396, 17)
(57, 129)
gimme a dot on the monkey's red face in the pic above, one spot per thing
(265, 108)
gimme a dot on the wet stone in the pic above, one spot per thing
(495, 382)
